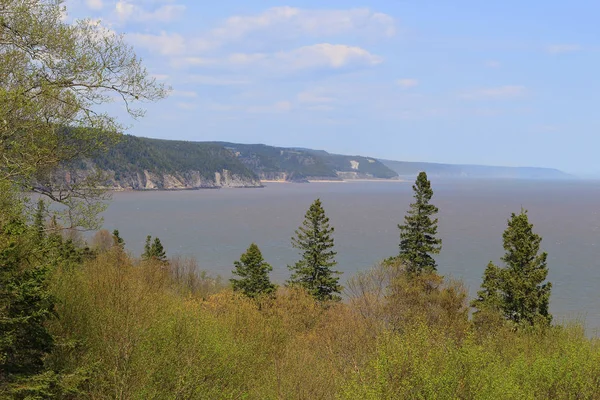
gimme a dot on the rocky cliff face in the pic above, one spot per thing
(177, 181)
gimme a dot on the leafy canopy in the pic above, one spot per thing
(53, 75)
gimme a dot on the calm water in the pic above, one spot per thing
(216, 226)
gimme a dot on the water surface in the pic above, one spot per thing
(217, 226)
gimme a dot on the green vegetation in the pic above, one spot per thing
(418, 239)
(52, 75)
(270, 162)
(133, 155)
(97, 323)
(254, 274)
(517, 291)
(314, 271)
(154, 250)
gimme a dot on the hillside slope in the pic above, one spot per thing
(410, 169)
(142, 164)
(294, 164)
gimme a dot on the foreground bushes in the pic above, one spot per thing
(131, 330)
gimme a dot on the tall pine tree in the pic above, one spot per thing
(418, 239)
(314, 270)
(253, 274)
(518, 290)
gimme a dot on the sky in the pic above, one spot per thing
(508, 83)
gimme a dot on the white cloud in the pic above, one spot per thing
(318, 56)
(290, 22)
(311, 22)
(324, 55)
(128, 10)
(95, 4)
(501, 92)
(185, 62)
(563, 48)
(278, 107)
(407, 83)
(165, 43)
(216, 81)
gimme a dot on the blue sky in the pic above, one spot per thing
(500, 83)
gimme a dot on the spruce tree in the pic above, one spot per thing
(418, 239)
(39, 220)
(117, 239)
(254, 274)
(518, 290)
(314, 270)
(154, 250)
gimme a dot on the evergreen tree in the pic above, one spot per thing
(117, 239)
(39, 220)
(518, 290)
(254, 274)
(314, 271)
(25, 300)
(154, 250)
(418, 234)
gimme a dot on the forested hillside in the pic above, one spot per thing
(297, 164)
(172, 164)
(142, 163)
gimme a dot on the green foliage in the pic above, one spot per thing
(418, 239)
(134, 154)
(518, 290)
(154, 250)
(117, 239)
(25, 301)
(254, 274)
(314, 271)
(53, 74)
(299, 164)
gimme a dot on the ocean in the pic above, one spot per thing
(216, 226)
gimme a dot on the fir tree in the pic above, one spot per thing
(39, 220)
(25, 300)
(154, 250)
(117, 239)
(518, 290)
(254, 274)
(418, 239)
(314, 271)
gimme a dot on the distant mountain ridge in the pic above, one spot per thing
(465, 171)
(156, 164)
(146, 164)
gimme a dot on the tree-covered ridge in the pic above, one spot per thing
(136, 155)
(297, 164)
